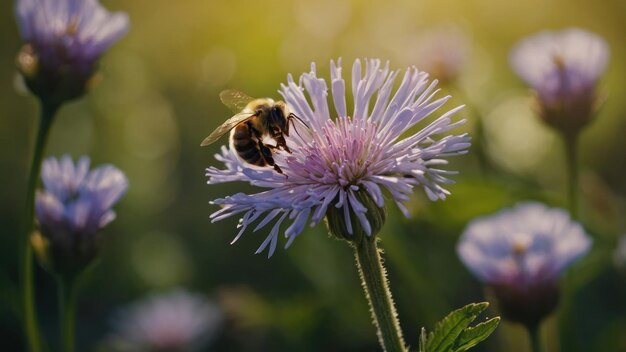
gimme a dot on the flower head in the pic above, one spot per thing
(73, 207)
(521, 253)
(173, 321)
(64, 41)
(563, 68)
(347, 160)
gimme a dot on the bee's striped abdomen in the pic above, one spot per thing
(246, 147)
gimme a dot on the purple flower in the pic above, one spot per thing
(64, 40)
(173, 321)
(346, 165)
(521, 253)
(73, 207)
(563, 68)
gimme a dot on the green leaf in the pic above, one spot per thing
(448, 330)
(470, 337)
(453, 333)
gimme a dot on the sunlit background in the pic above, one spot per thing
(158, 98)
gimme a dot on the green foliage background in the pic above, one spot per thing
(159, 98)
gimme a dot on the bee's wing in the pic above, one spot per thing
(235, 100)
(226, 126)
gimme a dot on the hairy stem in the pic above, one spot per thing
(374, 281)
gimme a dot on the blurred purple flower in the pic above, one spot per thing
(74, 205)
(563, 68)
(64, 40)
(345, 164)
(441, 51)
(176, 321)
(521, 253)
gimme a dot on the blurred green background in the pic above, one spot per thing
(159, 98)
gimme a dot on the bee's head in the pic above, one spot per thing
(278, 123)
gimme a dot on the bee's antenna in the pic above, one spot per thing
(293, 116)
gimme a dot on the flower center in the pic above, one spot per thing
(72, 27)
(343, 153)
(558, 60)
(519, 249)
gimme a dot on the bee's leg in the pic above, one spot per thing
(266, 152)
(282, 143)
(278, 146)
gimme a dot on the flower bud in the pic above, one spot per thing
(74, 206)
(68, 255)
(54, 85)
(563, 68)
(63, 43)
(567, 111)
(337, 223)
(520, 254)
(527, 305)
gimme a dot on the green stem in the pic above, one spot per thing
(30, 317)
(374, 281)
(67, 311)
(535, 340)
(571, 155)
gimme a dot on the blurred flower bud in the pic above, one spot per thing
(563, 68)
(64, 41)
(344, 224)
(71, 210)
(520, 254)
(174, 321)
(528, 304)
(442, 52)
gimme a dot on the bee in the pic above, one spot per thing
(254, 120)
